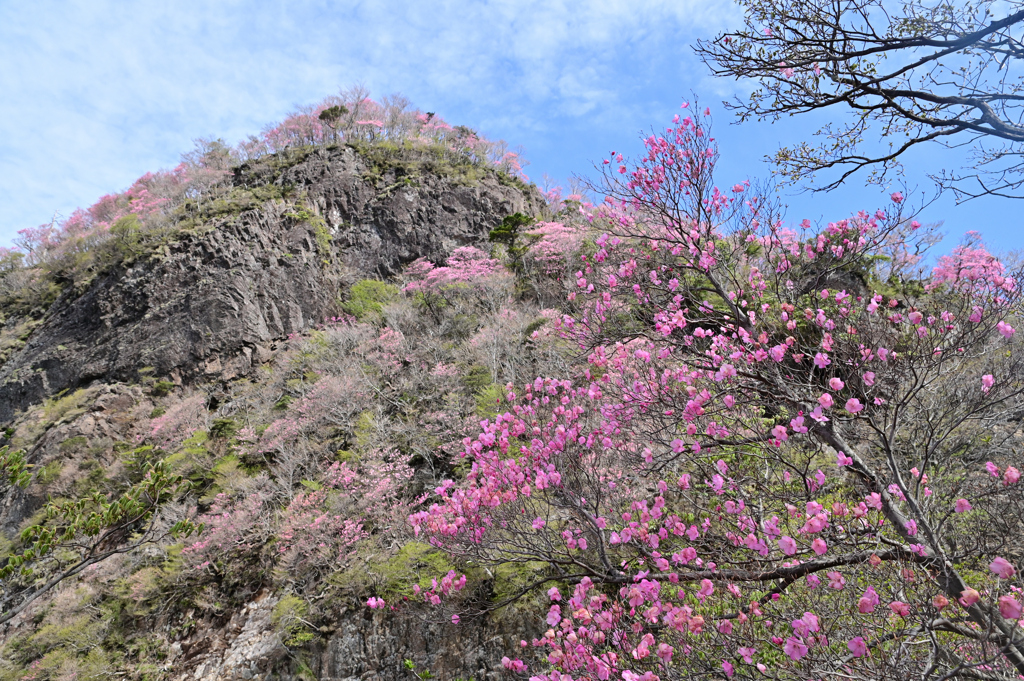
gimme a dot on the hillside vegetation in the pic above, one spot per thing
(659, 437)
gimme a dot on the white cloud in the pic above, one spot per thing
(97, 92)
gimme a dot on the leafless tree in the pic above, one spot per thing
(913, 71)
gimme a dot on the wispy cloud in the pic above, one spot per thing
(98, 92)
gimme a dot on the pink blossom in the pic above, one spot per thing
(836, 580)
(869, 378)
(969, 597)
(1005, 329)
(788, 545)
(843, 460)
(857, 646)
(1011, 476)
(962, 506)
(897, 197)
(806, 625)
(853, 405)
(867, 602)
(819, 546)
(779, 433)
(821, 360)
(992, 469)
(554, 594)
(987, 381)
(1001, 568)
(1009, 607)
(538, 523)
(835, 383)
(795, 648)
(900, 608)
(825, 401)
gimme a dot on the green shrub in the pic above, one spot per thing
(367, 298)
(161, 388)
(224, 428)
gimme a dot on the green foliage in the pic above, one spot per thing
(162, 388)
(224, 428)
(288, 618)
(331, 115)
(511, 236)
(13, 466)
(489, 401)
(366, 298)
(49, 472)
(67, 523)
(393, 576)
(63, 405)
(477, 378)
(73, 444)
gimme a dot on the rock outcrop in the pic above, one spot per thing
(212, 302)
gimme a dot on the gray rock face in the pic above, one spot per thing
(366, 646)
(212, 303)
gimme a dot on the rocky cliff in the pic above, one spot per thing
(213, 300)
(171, 351)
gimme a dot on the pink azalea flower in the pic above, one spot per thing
(992, 469)
(835, 383)
(969, 597)
(1011, 476)
(897, 197)
(538, 523)
(554, 594)
(843, 460)
(869, 378)
(1009, 607)
(900, 608)
(819, 546)
(788, 545)
(987, 381)
(962, 506)
(821, 360)
(1005, 329)
(825, 401)
(1002, 568)
(779, 433)
(867, 602)
(835, 580)
(857, 646)
(806, 625)
(795, 648)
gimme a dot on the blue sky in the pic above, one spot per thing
(97, 93)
